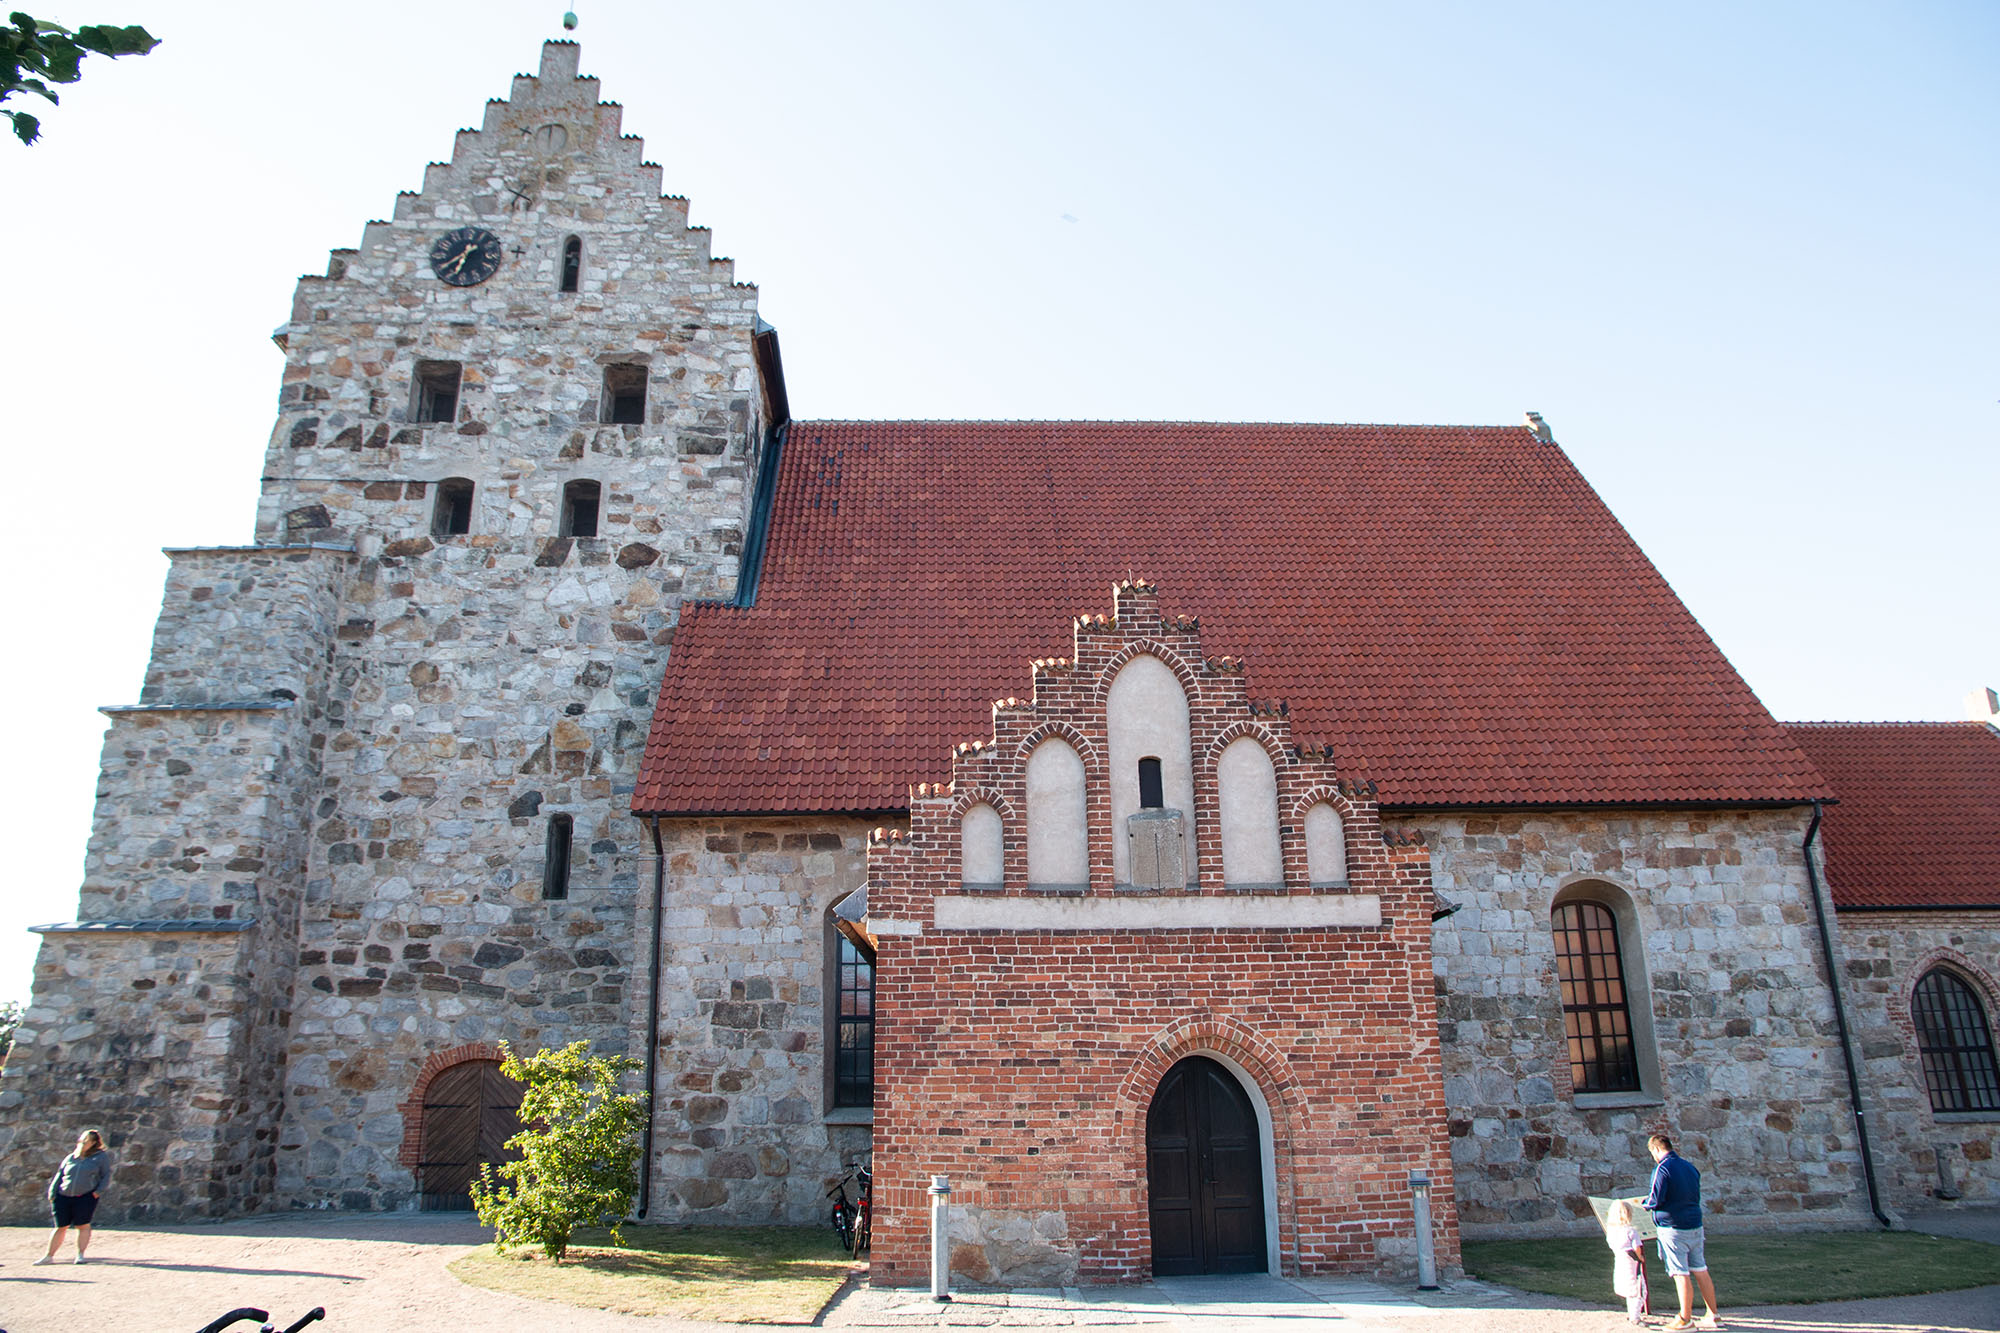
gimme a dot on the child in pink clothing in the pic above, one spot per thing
(1628, 1268)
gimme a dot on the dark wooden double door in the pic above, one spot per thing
(1204, 1173)
(470, 1111)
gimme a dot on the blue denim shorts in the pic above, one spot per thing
(1685, 1251)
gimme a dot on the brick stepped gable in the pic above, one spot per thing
(1040, 1124)
(320, 834)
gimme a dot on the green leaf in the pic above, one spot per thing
(26, 128)
(131, 40)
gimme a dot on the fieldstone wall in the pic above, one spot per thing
(745, 1131)
(409, 707)
(1921, 1155)
(166, 1023)
(1750, 1081)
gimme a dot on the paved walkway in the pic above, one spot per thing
(380, 1272)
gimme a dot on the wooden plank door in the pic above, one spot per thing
(469, 1114)
(1204, 1173)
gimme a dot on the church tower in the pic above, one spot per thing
(367, 818)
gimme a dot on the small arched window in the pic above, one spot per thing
(572, 263)
(1597, 1020)
(1955, 1043)
(555, 856)
(579, 508)
(1152, 787)
(451, 514)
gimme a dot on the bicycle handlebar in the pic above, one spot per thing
(235, 1317)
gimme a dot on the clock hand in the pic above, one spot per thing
(463, 255)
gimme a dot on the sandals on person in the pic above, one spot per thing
(1678, 1322)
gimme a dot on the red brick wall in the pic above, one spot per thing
(1021, 1063)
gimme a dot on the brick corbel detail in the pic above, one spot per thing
(413, 1109)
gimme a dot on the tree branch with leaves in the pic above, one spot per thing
(35, 54)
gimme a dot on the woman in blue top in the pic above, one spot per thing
(1675, 1199)
(73, 1192)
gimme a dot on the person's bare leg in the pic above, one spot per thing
(1684, 1288)
(83, 1243)
(1707, 1286)
(55, 1242)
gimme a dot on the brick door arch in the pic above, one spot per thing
(460, 1113)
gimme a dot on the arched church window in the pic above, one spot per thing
(579, 508)
(1326, 846)
(434, 391)
(572, 263)
(980, 848)
(1955, 1043)
(1058, 843)
(451, 512)
(625, 395)
(556, 855)
(1597, 1020)
(1247, 787)
(851, 1020)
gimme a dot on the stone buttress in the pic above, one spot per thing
(320, 860)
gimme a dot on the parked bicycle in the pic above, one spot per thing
(853, 1219)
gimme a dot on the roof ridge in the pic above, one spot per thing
(1160, 421)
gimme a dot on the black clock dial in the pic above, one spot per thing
(466, 256)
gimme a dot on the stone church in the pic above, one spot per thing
(1185, 837)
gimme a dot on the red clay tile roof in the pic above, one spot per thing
(1918, 824)
(1453, 609)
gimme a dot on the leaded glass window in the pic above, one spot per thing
(1955, 1043)
(854, 1034)
(1597, 1021)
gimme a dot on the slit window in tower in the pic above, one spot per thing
(572, 263)
(625, 395)
(451, 516)
(436, 391)
(1152, 791)
(579, 511)
(555, 858)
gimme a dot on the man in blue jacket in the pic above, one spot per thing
(1675, 1199)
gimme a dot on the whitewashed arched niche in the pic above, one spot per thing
(1146, 716)
(1326, 845)
(1058, 836)
(1247, 785)
(981, 855)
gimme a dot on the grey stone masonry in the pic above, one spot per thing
(1738, 1052)
(354, 733)
(745, 1129)
(1925, 1158)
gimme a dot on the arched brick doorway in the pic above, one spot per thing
(1204, 1173)
(469, 1113)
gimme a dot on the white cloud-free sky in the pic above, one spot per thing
(1742, 257)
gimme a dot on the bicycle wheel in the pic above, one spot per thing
(863, 1229)
(843, 1226)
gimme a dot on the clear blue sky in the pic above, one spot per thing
(1743, 258)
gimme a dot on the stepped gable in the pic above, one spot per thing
(1918, 824)
(1451, 609)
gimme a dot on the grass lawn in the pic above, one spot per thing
(738, 1275)
(1752, 1270)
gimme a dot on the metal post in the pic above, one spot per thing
(1427, 1262)
(940, 1192)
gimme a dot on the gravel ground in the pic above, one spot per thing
(378, 1272)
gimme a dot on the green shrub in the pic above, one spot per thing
(579, 1163)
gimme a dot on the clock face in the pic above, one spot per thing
(466, 257)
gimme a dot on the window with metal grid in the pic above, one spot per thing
(1596, 1019)
(1955, 1043)
(854, 1042)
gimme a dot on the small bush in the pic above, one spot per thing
(579, 1163)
